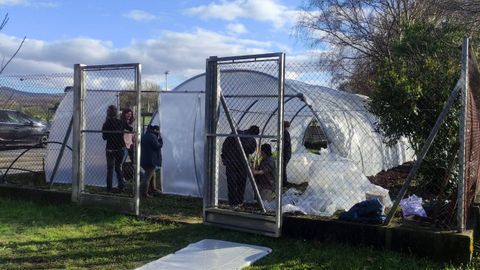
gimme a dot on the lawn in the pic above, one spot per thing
(40, 236)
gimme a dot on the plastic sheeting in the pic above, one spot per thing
(181, 122)
(337, 176)
(343, 116)
(210, 254)
(96, 104)
(336, 183)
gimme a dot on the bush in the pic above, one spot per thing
(411, 88)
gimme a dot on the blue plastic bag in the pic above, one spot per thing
(412, 206)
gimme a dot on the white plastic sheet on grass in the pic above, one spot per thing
(210, 254)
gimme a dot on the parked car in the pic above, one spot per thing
(19, 129)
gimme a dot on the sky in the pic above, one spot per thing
(173, 35)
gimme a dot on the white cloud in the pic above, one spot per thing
(13, 2)
(139, 15)
(28, 3)
(260, 10)
(182, 53)
(236, 28)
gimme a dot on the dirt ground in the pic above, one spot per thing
(392, 179)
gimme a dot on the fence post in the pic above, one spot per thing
(139, 129)
(77, 136)
(462, 127)
(280, 131)
(209, 193)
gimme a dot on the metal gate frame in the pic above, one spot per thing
(212, 215)
(115, 203)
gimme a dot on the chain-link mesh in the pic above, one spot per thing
(338, 155)
(110, 110)
(248, 178)
(28, 104)
(337, 158)
(472, 138)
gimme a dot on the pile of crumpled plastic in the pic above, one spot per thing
(334, 183)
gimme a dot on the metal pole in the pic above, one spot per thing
(166, 80)
(262, 96)
(271, 116)
(280, 128)
(463, 125)
(244, 156)
(210, 115)
(139, 128)
(246, 111)
(77, 160)
(62, 150)
(295, 115)
(413, 172)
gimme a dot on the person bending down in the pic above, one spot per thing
(265, 174)
(236, 168)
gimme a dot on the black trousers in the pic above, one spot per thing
(114, 162)
(284, 169)
(236, 181)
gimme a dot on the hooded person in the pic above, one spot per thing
(150, 159)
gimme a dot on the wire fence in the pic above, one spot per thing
(335, 156)
(28, 105)
(35, 122)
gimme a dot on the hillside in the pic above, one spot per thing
(12, 98)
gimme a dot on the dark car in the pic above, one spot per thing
(19, 129)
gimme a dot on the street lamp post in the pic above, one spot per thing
(166, 80)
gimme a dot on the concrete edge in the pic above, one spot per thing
(438, 246)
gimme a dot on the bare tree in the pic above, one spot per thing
(150, 91)
(360, 32)
(4, 64)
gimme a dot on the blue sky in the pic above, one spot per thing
(161, 35)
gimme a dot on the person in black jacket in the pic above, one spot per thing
(150, 158)
(235, 168)
(112, 132)
(287, 151)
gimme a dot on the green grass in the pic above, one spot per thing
(39, 236)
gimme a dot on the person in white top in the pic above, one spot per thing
(129, 138)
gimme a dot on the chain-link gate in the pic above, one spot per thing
(244, 144)
(100, 140)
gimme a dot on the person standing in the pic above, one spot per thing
(287, 152)
(235, 167)
(129, 138)
(112, 132)
(150, 159)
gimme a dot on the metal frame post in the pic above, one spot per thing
(139, 127)
(77, 136)
(209, 197)
(462, 127)
(280, 130)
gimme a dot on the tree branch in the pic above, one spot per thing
(13, 56)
